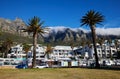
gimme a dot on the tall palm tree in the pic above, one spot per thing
(35, 26)
(90, 19)
(26, 48)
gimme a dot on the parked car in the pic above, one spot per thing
(21, 66)
(118, 63)
(108, 63)
(43, 65)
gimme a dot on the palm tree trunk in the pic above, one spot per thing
(6, 52)
(34, 49)
(94, 44)
(27, 59)
(110, 52)
(3, 55)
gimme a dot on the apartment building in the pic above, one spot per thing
(105, 51)
(16, 52)
(61, 53)
(40, 52)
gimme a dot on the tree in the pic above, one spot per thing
(118, 54)
(48, 51)
(116, 44)
(90, 19)
(35, 26)
(109, 41)
(6, 46)
(101, 41)
(26, 48)
(73, 52)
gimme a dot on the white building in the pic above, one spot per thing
(16, 52)
(104, 51)
(40, 52)
(65, 53)
(61, 53)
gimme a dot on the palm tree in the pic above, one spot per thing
(48, 51)
(101, 41)
(26, 48)
(116, 44)
(90, 19)
(109, 44)
(73, 52)
(35, 26)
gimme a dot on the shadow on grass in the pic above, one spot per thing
(105, 67)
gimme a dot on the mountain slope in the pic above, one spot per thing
(56, 35)
(65, 35)
(12, 27)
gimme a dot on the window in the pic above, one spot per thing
(60, 53)
(41, 56)
(42, 52)
(103, 50)
(55, 50)
(59, 50)
(37, 52)
(37, 56)
(108, 51)
(98, 50)
(113, 51)
(56, 53)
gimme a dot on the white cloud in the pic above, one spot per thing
(102, 31)
(63, 28)
(58, 28)
(84, 30)
(108, 31)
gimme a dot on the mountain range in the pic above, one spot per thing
(55, 35)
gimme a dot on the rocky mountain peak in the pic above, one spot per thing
(10, 26)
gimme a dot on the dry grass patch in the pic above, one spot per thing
(59, 73)
(7, 67)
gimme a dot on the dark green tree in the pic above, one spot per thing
(6, 46)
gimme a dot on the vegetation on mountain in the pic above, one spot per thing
(11, 29)
(16, 38)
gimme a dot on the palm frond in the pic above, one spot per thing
(92, 18)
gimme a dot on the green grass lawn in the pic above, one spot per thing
(59, 73)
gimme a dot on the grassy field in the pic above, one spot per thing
(59, 73)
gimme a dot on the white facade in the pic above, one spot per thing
(61, 53)
(40, 52)
(105, 51)
(64, 52)
(16, 52)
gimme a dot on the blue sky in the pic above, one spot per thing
(61, 12)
